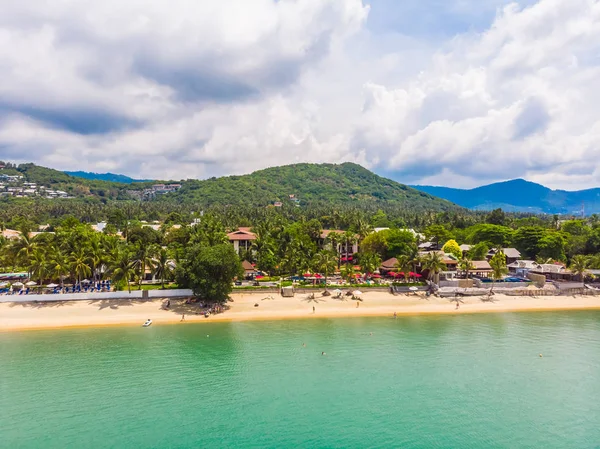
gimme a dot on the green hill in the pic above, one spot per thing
(58, 180)
(311, 184)
(345, 183)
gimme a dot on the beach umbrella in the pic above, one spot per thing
(85, 281)
(413, 289)
(18, 284)
(3, 284)
(52, 285)
(357, 293)
(337, 291)
(30, 284)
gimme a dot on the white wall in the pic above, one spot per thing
(152, 294)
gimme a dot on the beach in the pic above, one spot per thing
(24, 316)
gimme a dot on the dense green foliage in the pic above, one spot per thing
(209, 271)
(309, 183)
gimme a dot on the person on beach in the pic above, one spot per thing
(457, 305)
(395, 315)
(357, 304)
(313, 309)
(183, 317)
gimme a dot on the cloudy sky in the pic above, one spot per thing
(444, 92)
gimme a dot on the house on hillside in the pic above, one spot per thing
(241, 239)
(11, 234)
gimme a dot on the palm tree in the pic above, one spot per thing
(38, 265)
(369, 262)
(325, 262)
(404, 264)
(122, 267)
(498, 264)
(579, 265)
(434, 263)
(80, 264)
(466, 265)
(59, 265)
(144, 259)
(363, 228)
(162, 266)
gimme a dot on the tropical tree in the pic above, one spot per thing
(144, 258)
(579, 265)
(80, 264)
(325, 262)
(209, 271)
(404, 265)
(59, 265)
(369, 262)
(466, 265)
(38, 265)
(162, 266)
(451, 247)
(498, 264)
(122, 267)
(433, 263)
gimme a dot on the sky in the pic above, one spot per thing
(443, 92)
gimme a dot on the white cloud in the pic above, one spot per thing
(191, 88)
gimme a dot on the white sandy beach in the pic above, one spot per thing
(21, 316)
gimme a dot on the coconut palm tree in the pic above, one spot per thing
(80, 264)
(404, 265)
(163, 268)
(122, 267)
(38, 265)
(59, 265)
(579, 265)
(144, 259)
(325, 262)
(434, 263)
(498, 264)
(466, 265)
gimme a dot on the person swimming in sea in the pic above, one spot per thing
(323, 353)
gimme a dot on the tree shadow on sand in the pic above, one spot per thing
(41, 305)
(314, 298)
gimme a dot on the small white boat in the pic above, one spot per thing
(147, 323)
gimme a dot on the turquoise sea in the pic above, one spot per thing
(467, 381)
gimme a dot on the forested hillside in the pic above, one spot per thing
(309, 184)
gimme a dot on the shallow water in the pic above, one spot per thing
(470, 381)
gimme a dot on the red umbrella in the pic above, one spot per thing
(318, 276)
(258, 277)
(376, 276)
(307, 275)
(418, 275)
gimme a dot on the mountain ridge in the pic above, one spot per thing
(520, 195)
(111, 177)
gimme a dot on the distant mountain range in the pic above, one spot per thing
(112, 177)
(519, 195)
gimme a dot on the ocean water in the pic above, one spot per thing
(466, 381)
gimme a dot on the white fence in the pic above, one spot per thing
(137, 294)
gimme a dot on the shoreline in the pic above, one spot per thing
(104, 313)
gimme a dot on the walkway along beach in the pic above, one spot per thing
(111, 312)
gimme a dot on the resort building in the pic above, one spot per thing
(512, 254)
(242, 239)
(346, 250)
